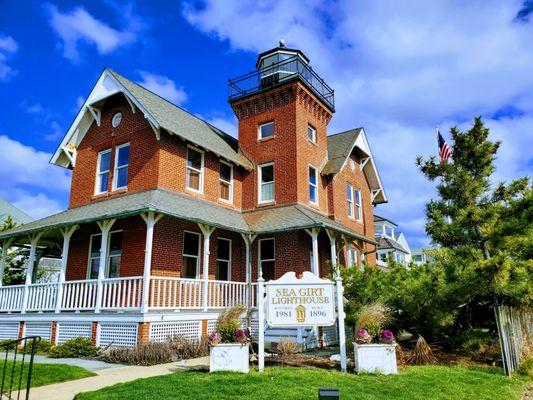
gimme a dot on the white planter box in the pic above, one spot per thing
(230, 357)
(375, 358)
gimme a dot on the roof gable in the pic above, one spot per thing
(9, 210)
(160, 113)
(340, 147)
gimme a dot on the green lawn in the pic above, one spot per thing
(429, 382)
(44, 374)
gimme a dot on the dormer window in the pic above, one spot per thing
(103, 169)
(311, 133)
(117, 119)
(266, 130)
(195, 170)
(226, 182)
(266, 183)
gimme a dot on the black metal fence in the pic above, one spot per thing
(17, 367)
(278, 73)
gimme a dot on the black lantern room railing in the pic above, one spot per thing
(280, 73)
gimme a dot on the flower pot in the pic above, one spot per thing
(230, 357)
(375, 358)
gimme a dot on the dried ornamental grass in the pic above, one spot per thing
(228, 322)
(372, 318)
(422, 354)
(287, 347)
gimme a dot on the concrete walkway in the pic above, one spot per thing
(111, 376)
(91, 365)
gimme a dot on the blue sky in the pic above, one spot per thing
(398, 69)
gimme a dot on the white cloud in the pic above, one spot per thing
(399, 69)
(163, 86)
(78, 26)
(228, 125)
(38, 205)
(55, 132)
(8, 46)
(26, 171)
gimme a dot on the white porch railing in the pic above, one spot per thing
(42, 297)
(165, 293)
(11, 298)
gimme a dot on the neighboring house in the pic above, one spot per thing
(9, 210)
(420, 256)
(392, 244)
(171, 220)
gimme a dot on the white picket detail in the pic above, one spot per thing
(175, 293)
(122, 293)
(222, 294)
(11, 298)
(79, 295)
(42, 297)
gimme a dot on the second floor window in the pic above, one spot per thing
(120, 172)
(195, 170)
(349, 200)
(266, 183)
(191, 255)
(311, 133)
(313, 185)
(358, 204)
(102, 171)
(226, 182)
(266, 130)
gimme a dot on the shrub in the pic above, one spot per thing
(184, 348)
(149, 354)
(6, 344)
(74, 348)
(526, 367)
(287, 347)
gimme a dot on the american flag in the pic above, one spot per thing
(445, 151)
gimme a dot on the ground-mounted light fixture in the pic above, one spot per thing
(328, 394)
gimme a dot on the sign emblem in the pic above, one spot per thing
(300, 314)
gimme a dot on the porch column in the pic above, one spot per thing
(207, 231)
(67, 234)
(313, 232)
(151, 219)
(6, 244)
(248, 240)
(34, 239)
(105, 227)
(332, 235)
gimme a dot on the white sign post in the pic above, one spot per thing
(293, 302)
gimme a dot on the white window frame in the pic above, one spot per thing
(358, 206)
(229, 255)
(191, 255)
(201, 171)
(100, 173)
(260, 259)
(260, 185)
(314, 139)
(230, 201)
(352, 256)
(311, 185)
(116, 167)
(259, 135)
(350, 201)
(107, 263)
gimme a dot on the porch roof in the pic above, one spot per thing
(279, 219)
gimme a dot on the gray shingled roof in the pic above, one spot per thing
(339, 147)
(9, 210)
(189, 127)
(388, 243)
(278, 219)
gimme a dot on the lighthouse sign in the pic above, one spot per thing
(293, 302)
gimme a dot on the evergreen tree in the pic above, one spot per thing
(486, 232)
(14, 273)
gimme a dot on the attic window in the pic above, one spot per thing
(117, 119)
(352, 165)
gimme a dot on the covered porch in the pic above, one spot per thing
(167, 274)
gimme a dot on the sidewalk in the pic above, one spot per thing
(111, 376)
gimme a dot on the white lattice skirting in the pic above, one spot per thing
(9, 330)
(71, 330)
(160, 331)
(42, 329)
(118, 335)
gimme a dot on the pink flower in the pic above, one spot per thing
(362, 332)
(213, 337)
(387, 334)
